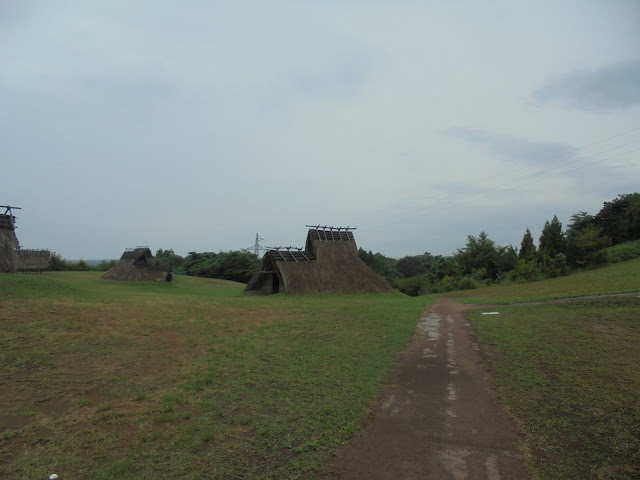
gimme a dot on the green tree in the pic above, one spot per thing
(442, 267)
(79, 266)
(552, 240)
(507, 259)
(480, 257)
(620, 218)
(57, 263)
(412, 286)
(366, 257)
(105, 265)
(585, 241)
(410, 266)
(525, 270)
(197, 264)
(234, 265)
(584, 247)
(384, 266)
(527, 248)
(169, 257)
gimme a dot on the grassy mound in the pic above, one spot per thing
(621, 277)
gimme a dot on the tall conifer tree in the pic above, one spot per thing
(552, 240)
(527, 248)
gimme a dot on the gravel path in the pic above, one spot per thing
(438, 418)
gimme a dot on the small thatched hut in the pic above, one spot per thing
(8, 243)
(139, 264)
(329, 263)
(33, 260)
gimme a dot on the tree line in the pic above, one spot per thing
(57, 264)
(236, 265)
(482, 262)
(479, 263)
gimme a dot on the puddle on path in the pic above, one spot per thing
(430, 325)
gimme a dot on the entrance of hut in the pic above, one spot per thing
(275, 283)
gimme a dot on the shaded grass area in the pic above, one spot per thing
(623, 251)
(621, 277)
(569, 375)
(112, 380)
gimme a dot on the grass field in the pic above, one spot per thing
(114, 380)
(569, 372)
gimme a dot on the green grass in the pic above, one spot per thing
(621, 277)
(623, 251)
(191, 379)
(568, 374)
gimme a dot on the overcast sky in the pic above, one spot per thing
(193, 125)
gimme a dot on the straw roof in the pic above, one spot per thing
(328, 264)
(139, 264)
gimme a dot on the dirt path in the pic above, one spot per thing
(438, 418)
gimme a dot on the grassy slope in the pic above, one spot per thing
(624, 251)
(621, 277)
(111, 380)
(569, 372)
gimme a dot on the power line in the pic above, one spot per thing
(544, 173)
(257, 247)
(445, 197)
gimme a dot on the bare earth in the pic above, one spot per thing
(438, 418)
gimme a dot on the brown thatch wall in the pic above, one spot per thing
(334, 267)
(33, 260)
(139, 264)
(130, 273)
(8, 255)
(338, 269)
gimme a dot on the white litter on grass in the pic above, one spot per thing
(491, 313)
(53, 476)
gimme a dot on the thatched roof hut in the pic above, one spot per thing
(139, 264)
(33, 260)
(8, 244)
(329, 263)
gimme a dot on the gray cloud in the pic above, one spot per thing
(608, 88)
(229, 118)
(513, 148)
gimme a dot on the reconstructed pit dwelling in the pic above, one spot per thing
(13, 258)
(139, 264)
(329, 263)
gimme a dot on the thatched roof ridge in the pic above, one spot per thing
(291, 255)
(327, 235)
(136, 253)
